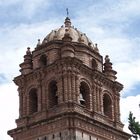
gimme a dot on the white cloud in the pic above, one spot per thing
(124, 55)
(8, 108)
(128, 104)
(15, 40)
(107, 29)
(14, 11)
(128, 74)
(29, 8)
(117, 11)
(104, 24)
(9, 2)
(123, 51)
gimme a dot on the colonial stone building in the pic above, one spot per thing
(67, 91)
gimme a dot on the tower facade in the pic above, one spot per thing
(67, 91)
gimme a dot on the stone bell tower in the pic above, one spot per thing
(67, 91)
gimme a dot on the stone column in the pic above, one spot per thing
(94, 101)
(39, 95)
(65, 83)
(43, 89)
(20, 102)
(90, 101)
(69, 86)
(27, 106)
(97, 99)
(73, 87)
(60, 89)
(77, 88)
(46, 90)
(100, 92)
(102, 107)
(117, 110)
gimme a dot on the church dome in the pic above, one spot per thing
(75, 35)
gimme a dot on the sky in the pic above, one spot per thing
(112, 24)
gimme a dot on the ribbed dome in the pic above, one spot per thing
(75, 34)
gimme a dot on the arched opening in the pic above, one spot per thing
(94, 64)
(33, 101)
(107, 105)
(53, 98)
(43, 60)
(84, 97)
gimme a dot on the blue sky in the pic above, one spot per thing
(113, 24)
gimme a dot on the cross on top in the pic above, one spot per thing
(67, 10)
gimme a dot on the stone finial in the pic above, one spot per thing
(28, 55)
(38, 43)
(81, 38)
(107, 59)
(28, 52)
(45, 40)
(96, 48)
(89, 43)
(55, 35)
(67, 22)
(110, 73)
(107, 64)
(27, 65)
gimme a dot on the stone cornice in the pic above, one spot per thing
(69, 64)
(57, 44)
(76, 121)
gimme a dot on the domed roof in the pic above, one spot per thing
(75, 35)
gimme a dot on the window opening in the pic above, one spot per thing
(53, 97)
(107, 104)
(94, 64)
(84, 97)
(33, 101)
(43, 60)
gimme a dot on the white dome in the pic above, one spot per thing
(75, 34)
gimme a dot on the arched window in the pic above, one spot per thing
(107, 105)
(33, 101)
(84, 97)
(94, 64)
(43, 60)
(53, 98)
